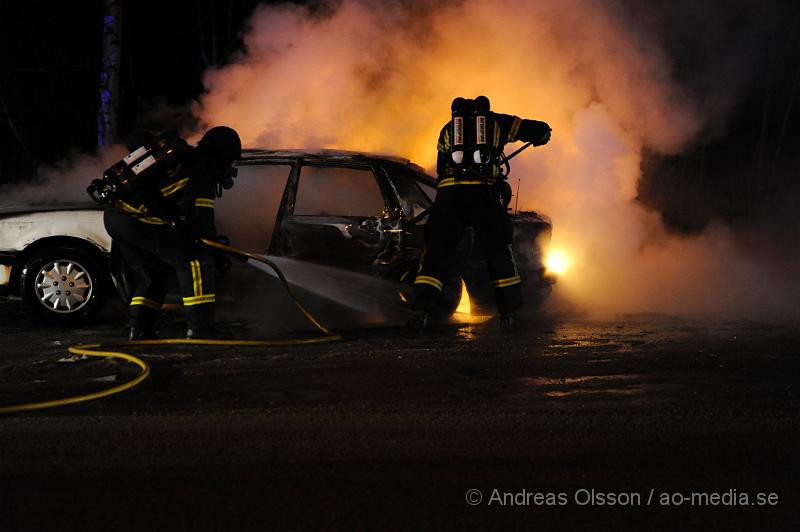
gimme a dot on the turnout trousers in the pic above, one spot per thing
(456, 208)
(158, 253)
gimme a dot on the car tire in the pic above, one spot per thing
(63, 284)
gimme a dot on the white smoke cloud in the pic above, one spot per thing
(66, 180)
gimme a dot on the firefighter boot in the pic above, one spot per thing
(507, 322)
(200, 323)
(418, 322)
(142, 323)
(141, 333)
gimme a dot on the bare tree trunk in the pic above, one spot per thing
(109, 73)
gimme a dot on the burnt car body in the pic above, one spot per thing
(355, 211)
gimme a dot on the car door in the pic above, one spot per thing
(247, 213)
(414, 198)
(338, 216)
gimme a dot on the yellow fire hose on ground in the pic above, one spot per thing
(101, 350)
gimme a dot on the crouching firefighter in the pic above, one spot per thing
(472, 191)
(159, 202)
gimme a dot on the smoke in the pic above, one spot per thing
(360, 76)
(381, 77)
(65, 181)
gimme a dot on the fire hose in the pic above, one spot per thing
(105, 350)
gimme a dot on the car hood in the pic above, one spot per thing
(47, 206)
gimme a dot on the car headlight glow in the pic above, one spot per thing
(557, 262)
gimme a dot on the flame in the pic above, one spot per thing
(464, 306)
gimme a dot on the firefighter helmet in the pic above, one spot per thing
(222, 142)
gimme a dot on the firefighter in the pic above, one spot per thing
(157, 229)
(471, 191)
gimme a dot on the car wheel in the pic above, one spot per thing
(63, 284)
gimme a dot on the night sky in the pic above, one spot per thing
(743, 169)
(50, 56)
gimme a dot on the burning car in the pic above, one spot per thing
(360, 212)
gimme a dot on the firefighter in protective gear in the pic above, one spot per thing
(471, 191)
(157, 231)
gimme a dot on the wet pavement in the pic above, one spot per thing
(574, 424)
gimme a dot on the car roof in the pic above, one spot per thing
(333, 156)
(325, 155)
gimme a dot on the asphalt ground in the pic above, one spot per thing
(631, 422)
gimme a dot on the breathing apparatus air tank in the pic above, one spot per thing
(482, 154)
(129, 175)
(459, 113)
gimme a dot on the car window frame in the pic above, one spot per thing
(367, 165)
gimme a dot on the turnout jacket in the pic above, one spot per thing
(182, 194)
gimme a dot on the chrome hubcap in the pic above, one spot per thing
(63, 286)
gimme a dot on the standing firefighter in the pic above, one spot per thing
(472, 191)
(160, 202)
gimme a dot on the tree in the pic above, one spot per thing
(109, 73)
